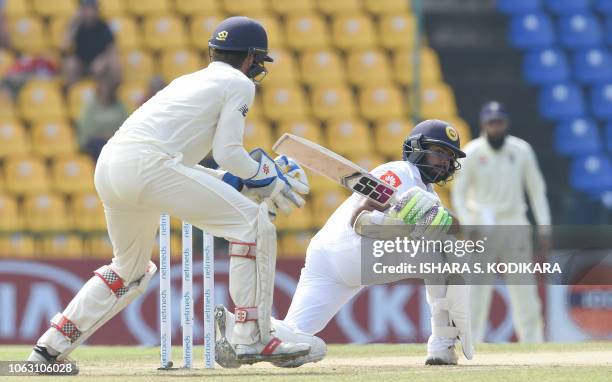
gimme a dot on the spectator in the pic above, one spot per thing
(91, 44)
(101, 117)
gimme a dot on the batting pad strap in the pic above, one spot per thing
(271, 346)
(112, 280)
(241, 249)
(445, 331)
(243, 315)
(66, 327)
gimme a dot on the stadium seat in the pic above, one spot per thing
(437, 101)
(27, 35)
(7, 107)
(603, 6)
(561, 101)
(300, 218)
(338, 6)
(284, 7)
(111, 8)
(608, 30)
(56, 30)
(332, 101)
(403, 66)
(257, 133)
(7, 58)
(126, 32)
(25, 175)
(46, 212)
(577, 136)
(381, 101)
(53, 138)
(149, 7)
(531, 30)
(463, 129)
(62, 246)
(284, 103)
(322, 67)
(283, 70)
(545, 66)
(387, 7)
(518, 6)
(307, 31)
(601, 100)
(237, 7)
(46, 8)
(369, 66)
(88, 212)
(11, 220)
(389, 135)
(13, 138)
(294, 245)
(591, 173)
(73, 173)
(79, 95)
(16, 8)
(190, 8)
(354, 31)
(302, 127)
(179, 61)
(319, 183)
(397, 31)
(201, 28)
(132, 94)
(371, 161)
(137, 65)
(41, 100)
(593, 65)
(165, 32)
(564, 7)
(274, 30)
(349, 136)
(100, 247)
(325, 203)
(256, 110)
(608, 134)
(18, 245)
(579, 30)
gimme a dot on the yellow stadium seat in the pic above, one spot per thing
(46, 212)
(463, 129)
(437, 101)
(99, 247)
(164, 32)
(126, 32)
(368, 66)
(397, 31)
(284, 102)
(350, 136)
(307, 31)
(79, 95)
(257, 134)
(332, 101)
(381, 101)
(283, 70)
(319, 183)
(13, 138)
(27, 35)
(73, 173)
(176, 62)
(137, 65)
(338, 6)
(284, 7)
(10, 218)
(443, 192)
(389, 134)
(132, 94)
(201, 29)
(387, 6)
(240, 7)
(256, 110)
(300, 218)
(46, 8)
(62, 246)
(25, 175)
(17, 245)
(325, 203)
(87, 212)
(111, 8)
(16, 8)
(7, 58)
(149, 7)
(294, 245)
(196, 7)
(353, 31)
(274, 30)
(303, 127)
(7, 107)
(52, 138)
(403, 66)
(41, 100)
(370, 161)
(322, 66)
(56, 30)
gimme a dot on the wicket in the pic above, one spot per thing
(187, 302)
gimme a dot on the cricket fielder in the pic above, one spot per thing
(332, 272)
(490, 191)
(149, 167)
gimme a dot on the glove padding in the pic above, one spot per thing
(296, 177)
(435, 224)
(413, 205)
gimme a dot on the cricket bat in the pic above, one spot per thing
(335, 167)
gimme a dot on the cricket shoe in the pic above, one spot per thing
(441, 351)
(41, 354)
(225, 355)
(317, 352)
(273, 350)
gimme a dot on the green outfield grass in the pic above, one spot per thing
(590, 362)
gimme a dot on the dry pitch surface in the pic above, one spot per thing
(589, 362)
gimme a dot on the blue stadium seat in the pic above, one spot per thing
(531, 30)
(603, 6)
(518, 6)
(579, 30)
(545, 66)
(564, 7)
(608, 30)
(561, 101)
(608, 134)
(601, 100)
(577, 136)
(593, 65)
(591, 173)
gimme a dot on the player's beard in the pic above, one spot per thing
(496, 142)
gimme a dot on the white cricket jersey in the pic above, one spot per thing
(338, 234)
(194, 114)
(489, 188)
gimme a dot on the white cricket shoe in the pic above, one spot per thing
(441, 351)
(273, 350)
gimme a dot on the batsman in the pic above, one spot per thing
(150, 166)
